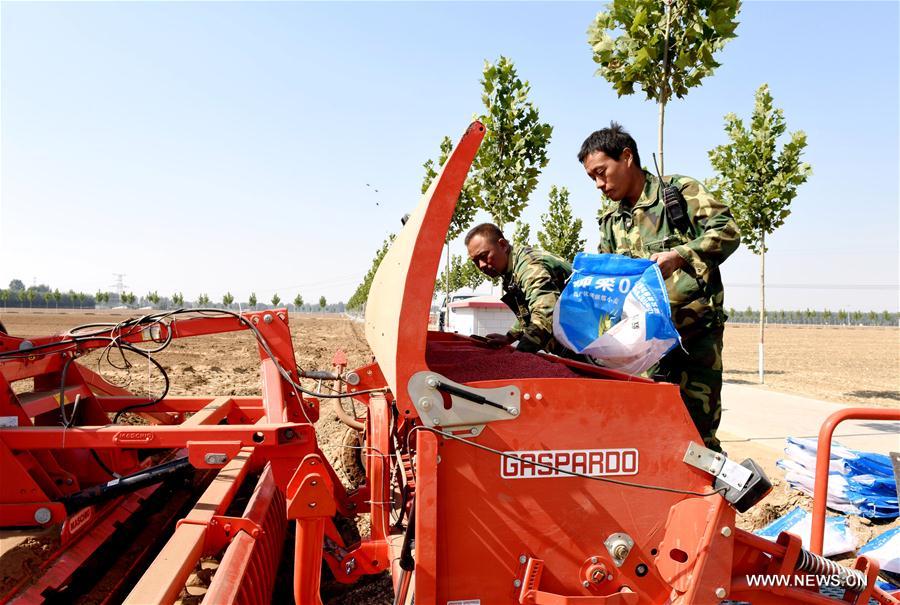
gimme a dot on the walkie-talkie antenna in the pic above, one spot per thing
(657, 168)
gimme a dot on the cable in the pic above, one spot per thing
(162, 371)
(562, 470)
(62, 394)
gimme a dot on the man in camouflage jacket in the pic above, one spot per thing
(532, 283)
(638, 225)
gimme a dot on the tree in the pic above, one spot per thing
(153, 297)
(275, 300)
(560, 232)
(4, 297)
(466, 204)
(76, 299)
(227, 299)
(16, 285)
(664, 47)
(178, 299)
(298, 302)
(462, 274)
(252, 300)
(758, 186)
(202, 300)
(362, 291)
(514, 150)
(322, 302)
(29, 296)
(521, 234)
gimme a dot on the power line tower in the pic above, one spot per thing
(120, 284)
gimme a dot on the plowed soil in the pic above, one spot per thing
(844, 364)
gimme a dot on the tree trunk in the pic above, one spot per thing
(664, 93)
(447, 287)
(762, 306)
(662, 121)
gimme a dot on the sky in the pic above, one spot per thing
(271, 147)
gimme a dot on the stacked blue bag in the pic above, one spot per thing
(615, 309)
(860, 483)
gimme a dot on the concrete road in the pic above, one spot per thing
(758, 420)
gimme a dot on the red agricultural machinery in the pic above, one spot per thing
(491, 477)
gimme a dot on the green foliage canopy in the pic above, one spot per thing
(561, 232)
(755, 181)
(514, 150)
(629, 43)
(521, 234)
(468, 201)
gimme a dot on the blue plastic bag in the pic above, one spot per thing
(615, 310)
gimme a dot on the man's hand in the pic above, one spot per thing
(498, 340)
(668, 262)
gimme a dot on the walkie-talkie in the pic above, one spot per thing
(676, 207)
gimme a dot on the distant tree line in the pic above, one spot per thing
(825, 317)
(43, 297)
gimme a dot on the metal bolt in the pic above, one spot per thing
(517, 582)
(425, 402)
(586, 584)
(620, 551)
(522, 559)
(726, 531)
(43, 515)
(609, 577)
(312, 504)
(473, 431)
(538, 396)
(267, 318)
(721, 592)
(314, 482)
(594, 559)
(512, 411)
(718, 456)
(527, 396)
(289, 434)
(432, 382)
(256, 320)
(435, 421)
(215, 458)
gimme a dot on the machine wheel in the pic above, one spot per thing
(350, 461)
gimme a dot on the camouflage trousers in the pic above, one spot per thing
(698, 374)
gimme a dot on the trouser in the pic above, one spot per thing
(697, 370)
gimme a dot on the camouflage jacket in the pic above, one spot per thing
(532, 284)
(695, 292)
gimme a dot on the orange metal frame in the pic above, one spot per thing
(823, 456)
(489, 528)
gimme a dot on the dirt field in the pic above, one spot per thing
(843, 364)
(860, 365)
